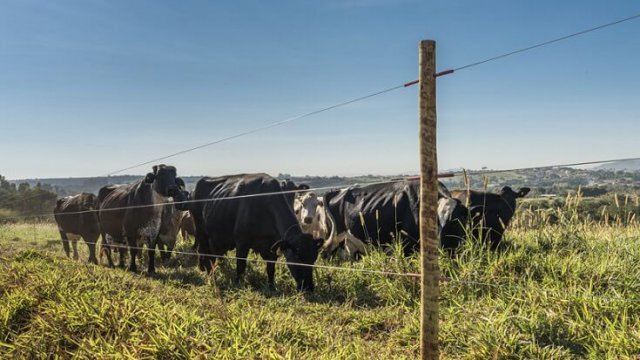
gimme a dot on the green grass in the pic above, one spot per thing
(561, 291)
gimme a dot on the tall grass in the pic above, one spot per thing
(564, 286)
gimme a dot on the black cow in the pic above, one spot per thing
(380, 213)
(491, 213)
(132, 213)
(77, 218)
(260, 223)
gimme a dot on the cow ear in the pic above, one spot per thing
(155, 169)
(523, 192)
(303, 187)
(149, 178)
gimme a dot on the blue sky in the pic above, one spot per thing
(88, 87)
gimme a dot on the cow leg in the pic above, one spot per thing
(120, 246)
(151, 249)
(241, 263)
(106, 248)
(74, 243)
(133, 252)
(271, 268)
(205, 263)
(91, 243)
(65, 243)
(121, 262)
(132, 241)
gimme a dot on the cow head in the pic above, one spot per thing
(494, 216)
(300, 249)
(307, 207)
(181, 195)
(163, 180)
(507, 208)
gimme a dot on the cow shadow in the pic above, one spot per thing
(181, 270)
(358, 295)
(180, 277)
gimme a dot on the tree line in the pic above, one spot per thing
(24, 199)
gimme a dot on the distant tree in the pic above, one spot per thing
(25, 200)
(593, 191)
(23, 187)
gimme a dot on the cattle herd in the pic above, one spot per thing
(256, 212)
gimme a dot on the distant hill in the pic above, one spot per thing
(69, 186)
(627, 165)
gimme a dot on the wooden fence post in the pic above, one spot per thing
(429, 243)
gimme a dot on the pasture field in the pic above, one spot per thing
(562, 290)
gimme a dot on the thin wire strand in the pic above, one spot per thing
(262, 128)
(548, 42)
(338, 187)
(483, 172)
(546, 291)
(260, 260)
(367, 271)
(528, 48)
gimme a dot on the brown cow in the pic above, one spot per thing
(188, 227)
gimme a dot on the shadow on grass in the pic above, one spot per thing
(180, 276)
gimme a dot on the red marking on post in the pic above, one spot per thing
(411, 83)
(446, 175)
(410, 178)
(442, 73)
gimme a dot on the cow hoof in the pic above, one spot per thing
(132, 269)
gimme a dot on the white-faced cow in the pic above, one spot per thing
(491, 212)
(309, 209)
(132, 214)
(77, 218)
(259, 223)
(380, 213)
